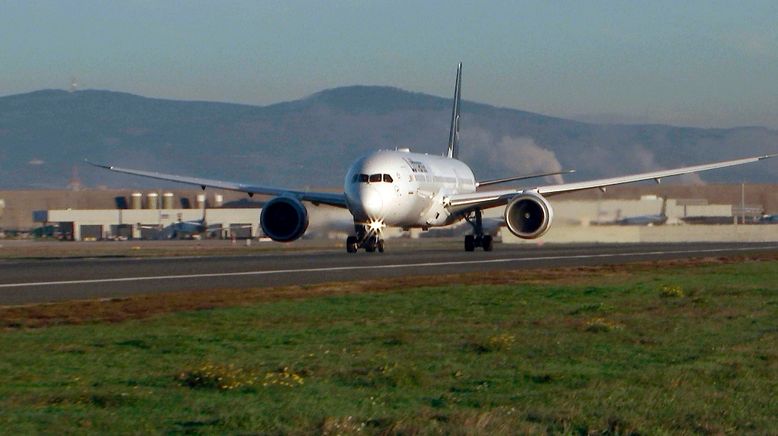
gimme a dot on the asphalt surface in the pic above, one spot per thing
(38, 281)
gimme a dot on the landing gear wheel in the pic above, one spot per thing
(366, 239)
(351, 244)
(370, 245)
(478, 238)
(486, 243)
(469, 243)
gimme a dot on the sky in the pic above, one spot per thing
(696, 63)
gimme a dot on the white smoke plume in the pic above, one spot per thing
(645, 158)
(511, 156)
(648, 162)
(522, 155)
(692, 179)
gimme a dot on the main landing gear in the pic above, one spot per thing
(478, 238)
(370, 241)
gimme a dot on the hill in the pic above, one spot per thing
(311, 141)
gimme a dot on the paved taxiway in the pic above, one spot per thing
(36, 281)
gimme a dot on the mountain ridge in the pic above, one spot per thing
(45, 133)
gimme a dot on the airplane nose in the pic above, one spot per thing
(371, 201)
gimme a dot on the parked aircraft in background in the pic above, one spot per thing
(198, 229)
(646, 220)
(190, 229)
(412, 190)
(768, 219)
(639, 220)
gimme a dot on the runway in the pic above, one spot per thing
(39, 281)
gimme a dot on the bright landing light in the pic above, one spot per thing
(376, 226)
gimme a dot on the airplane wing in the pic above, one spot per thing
(488, 199)
(514, 178)
(330, 198)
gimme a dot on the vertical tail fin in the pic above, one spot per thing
(453, 136)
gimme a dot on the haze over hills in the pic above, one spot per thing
(312, 141)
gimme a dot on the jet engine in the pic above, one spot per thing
(528, 215)
(284, 219)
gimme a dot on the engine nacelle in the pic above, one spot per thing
(528, 215)
(284, 219)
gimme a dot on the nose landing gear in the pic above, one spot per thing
(478, 238)
(370, 241)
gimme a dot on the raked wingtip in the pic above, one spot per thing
(108, 167)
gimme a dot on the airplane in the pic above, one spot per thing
(403, 189)
(646, 220)
(191, 229)
(197, 228)
(640, 220)
(182, 229)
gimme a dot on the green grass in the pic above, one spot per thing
(618, 358)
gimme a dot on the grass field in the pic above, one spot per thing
(668, 349)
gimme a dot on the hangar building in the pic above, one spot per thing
(151, 217)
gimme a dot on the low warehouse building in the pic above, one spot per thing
(153, 223)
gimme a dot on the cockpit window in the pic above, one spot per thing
(372, 178)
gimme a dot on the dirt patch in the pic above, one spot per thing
(144, 306)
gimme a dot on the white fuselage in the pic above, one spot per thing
(404, 189)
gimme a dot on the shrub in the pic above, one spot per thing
(669, 291)
(229, 377)
(501, 342)
(599, 325)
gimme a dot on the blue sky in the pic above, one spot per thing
(701, 63)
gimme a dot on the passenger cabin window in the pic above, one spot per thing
(375, 178)
(388, 178)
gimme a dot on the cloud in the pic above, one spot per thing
(36, 162)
